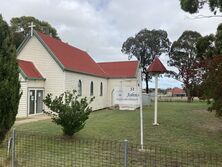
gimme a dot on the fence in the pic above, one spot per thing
(147, 99)
(173, 99)
(41, 150)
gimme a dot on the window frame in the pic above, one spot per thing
(91, 88)
(101, 89)
(79, 88)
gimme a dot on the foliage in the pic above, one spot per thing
(209, 51)
(206, 46)
(70, 111)
(183, 56)
(9, 80)
(218, 39)
(193, 6)
(145, 46)
(190, 6)
(20, 28)
(212, 83)
(210, 45)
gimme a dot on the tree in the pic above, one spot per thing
(218, 39)
(210, 45)
(20, 28)
(212, 80)
(206, 49)
(145, 46)
(209, 51)
(183, 56)
(9, 80)
(193, 6)
(69, 111)
(206, 46)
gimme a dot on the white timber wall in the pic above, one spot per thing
(36, 84)
(35, 52)
(22, 109)
(72, 80)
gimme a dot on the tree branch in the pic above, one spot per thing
(206, 16)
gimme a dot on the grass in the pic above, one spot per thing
(182, 126)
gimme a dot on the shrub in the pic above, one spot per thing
(9, 80)
(70, 111)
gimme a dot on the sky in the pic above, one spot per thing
(101, 26)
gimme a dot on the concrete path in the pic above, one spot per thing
(32, 119)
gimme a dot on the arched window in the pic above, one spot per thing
(91, 88)
(80, 88)
(101, 89)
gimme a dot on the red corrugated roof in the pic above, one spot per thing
(177, 91)
(29, 69)
(71, 57)
(156, 66)
(122, 69)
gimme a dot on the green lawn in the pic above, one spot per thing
(182, 126)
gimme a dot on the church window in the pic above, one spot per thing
(101, 89)
(80, 88)
(91, 88)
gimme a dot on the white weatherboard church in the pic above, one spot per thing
(48, 65)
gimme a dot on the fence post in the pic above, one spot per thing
(13, 147)
(125, 153)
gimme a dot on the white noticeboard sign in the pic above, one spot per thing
(126, 97)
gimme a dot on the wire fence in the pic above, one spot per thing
(30, 150)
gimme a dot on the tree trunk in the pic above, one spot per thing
(189, 98)
(147, 84)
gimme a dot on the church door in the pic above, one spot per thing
(35, 101)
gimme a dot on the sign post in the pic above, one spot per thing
(141, 109)
(156, 98)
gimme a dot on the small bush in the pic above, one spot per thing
(70, 111)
